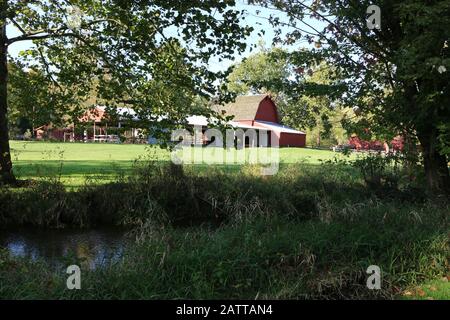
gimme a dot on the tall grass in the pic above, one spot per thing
(308, 233)
(168, 194)
(259, 258)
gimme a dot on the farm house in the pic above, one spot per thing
(100, 126)
(259, 113)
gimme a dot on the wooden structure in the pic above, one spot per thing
(260, 112)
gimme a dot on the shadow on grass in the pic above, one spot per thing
(74, 173)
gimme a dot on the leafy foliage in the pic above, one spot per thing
(149, 55)
(397, 75)
(146, 54)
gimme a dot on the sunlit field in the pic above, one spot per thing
(75, 163)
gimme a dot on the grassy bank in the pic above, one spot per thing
(260, 258)
(309, 232)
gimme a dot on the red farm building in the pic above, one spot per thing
(260, 112)
(396, 145)
(257, 112)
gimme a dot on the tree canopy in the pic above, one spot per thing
(145, 54)
(398, 73)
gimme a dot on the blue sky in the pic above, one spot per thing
(258, 22)
(251, 19)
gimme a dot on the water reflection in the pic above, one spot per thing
(91, 248)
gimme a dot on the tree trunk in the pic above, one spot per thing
(436, 167)
(6, 173)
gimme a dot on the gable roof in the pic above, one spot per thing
(96, 114)
(244, 108)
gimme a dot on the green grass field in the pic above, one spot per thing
(73, 163)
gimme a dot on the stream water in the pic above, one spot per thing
(93, 248)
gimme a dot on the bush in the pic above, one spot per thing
(165, 194)
(388, 172)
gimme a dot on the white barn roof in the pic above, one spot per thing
(278, 127)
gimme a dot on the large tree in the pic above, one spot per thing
(397, 71)
(131, 51)
(32, 99)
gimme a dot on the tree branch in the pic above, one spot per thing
(52, 33)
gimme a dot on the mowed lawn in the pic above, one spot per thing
(73, 163)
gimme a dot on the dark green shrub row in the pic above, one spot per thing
(166, 194)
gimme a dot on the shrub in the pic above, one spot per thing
(166, 194)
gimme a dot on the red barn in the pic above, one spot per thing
(260, 112)
(396, 145)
